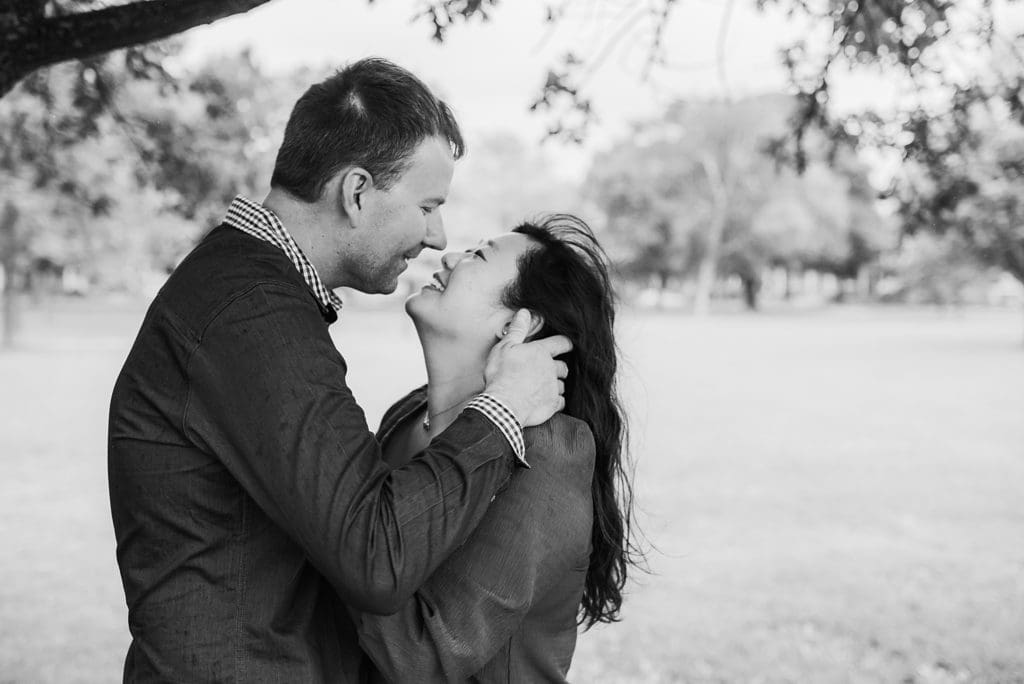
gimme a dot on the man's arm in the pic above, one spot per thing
(268, 397)
(535, 532)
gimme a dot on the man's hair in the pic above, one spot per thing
(372, 114)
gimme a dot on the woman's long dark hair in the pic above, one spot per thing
(565, 280)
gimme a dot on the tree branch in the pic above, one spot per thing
(31, 42)
(723, 32)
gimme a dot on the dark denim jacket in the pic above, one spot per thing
(503, 607)
(248, 495)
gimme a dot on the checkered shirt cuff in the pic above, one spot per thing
(500, 414)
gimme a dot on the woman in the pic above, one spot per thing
(553, 549)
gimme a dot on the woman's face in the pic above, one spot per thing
(463, 299)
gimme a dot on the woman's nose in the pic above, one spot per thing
(451, 259)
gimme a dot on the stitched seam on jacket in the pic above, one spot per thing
(238, 547)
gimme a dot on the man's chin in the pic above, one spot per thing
(381, 288)
(389, 289)
(382, 284)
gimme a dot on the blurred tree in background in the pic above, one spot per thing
(673, 188)
(67, 151)
(956, 126)
(110, 172)
(694, 196)
(968, 181)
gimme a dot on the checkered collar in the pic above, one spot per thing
(258, 221)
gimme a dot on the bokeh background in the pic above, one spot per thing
(814, 210)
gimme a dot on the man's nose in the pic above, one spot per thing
(435, 236)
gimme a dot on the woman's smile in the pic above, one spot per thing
(436, 284)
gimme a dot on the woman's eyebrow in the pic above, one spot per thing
(479, 249)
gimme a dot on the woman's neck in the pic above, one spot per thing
(455, 374)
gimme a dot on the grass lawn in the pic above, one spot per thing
(833, 496)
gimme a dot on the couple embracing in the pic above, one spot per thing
(265, 533)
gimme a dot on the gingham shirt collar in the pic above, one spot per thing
(258, 221)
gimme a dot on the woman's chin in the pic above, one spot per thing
(419, 309)
(413, 303)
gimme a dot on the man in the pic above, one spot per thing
(248, 495)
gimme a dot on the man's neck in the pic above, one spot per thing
(303, 221)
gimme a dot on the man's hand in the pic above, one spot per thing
(525, 375)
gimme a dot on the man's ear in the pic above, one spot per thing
(353, 185)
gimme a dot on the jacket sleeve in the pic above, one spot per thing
(267, 395)
(534, 532)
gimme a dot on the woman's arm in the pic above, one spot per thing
(533, 533)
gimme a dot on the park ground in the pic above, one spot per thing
(827, 496)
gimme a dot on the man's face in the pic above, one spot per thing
(398, 222)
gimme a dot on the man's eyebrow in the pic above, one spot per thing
(438, 201)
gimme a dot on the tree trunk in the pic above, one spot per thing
(863, 283)
(707, 272)
(1019, 275)
(751, 287)
(32, 40)
(1015, 262)
(662, 287)
(8, 257)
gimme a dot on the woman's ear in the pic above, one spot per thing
(536, 324)
(354, 184)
